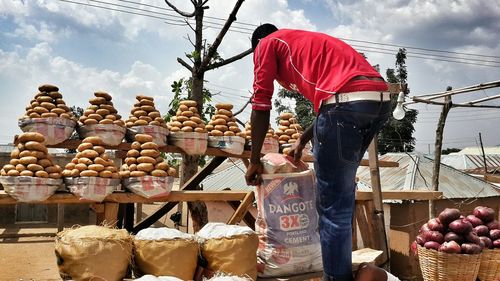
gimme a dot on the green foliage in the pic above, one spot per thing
(303, 110)
(397, 135)
(449, 150)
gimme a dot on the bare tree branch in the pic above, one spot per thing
(184, 14)
(190, 26)
(220, 36)
(185, 64)
(229, 60)
(189, 39)
(243, 108)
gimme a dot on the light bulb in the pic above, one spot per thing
(399, 112)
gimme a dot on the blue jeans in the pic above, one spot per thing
(341, 136)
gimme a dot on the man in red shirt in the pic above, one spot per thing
(352, 104)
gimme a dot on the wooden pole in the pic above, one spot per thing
(378, 210)
(484, 156)
(437, 149)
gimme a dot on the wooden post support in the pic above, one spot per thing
(437, 150)
(242, 209)
(110, 214)
(378, 212)
(60, 217)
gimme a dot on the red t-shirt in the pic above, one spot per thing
(311, 63)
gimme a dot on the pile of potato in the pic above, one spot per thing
(143, 159)
(223, 123)
(30, 158)
(289, 130)
(187, 119)
(91, 160)
(248, 132)
(48, 103)
(144, 113)
(101, 111)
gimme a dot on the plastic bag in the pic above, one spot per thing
(287, 223)
(270, 145)
(54, 129)
(92, 188)
(149, 186)
(30, 189)
(230, 144)
(158, 133)
(276, 163)
(111, 134)
(190, 142)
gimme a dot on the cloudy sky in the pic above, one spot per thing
(88, 45)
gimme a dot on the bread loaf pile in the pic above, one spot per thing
(289, 130)
(248, 132)
(223, 123)
(30, 158)
(101, 111)
(144, 113)
(187, 119)
(48, 103)
(91, 160)
(143, 159)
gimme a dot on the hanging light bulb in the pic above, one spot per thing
(399, 112)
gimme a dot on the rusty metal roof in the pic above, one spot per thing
(415, 173)
(471, 161)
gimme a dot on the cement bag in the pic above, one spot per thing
(270, 145)
(159, 278)
(92, 188)
(149, 186)
(93, 253)
(191, 142)
(230, 144)
(287, 224)
(229, 249)
(277, 163)
(222, 277)
(54, 129)
(111, 134)
(30, 189)
(158, 133)
(165, 252)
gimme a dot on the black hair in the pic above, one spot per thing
(261, 32)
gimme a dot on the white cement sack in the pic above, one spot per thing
(149, 186)
(160, 278)
(222, 277)
(191, 143)
(218, 230)
(111, 134)
(287, 224)
(158, 133)
(162, 233)
(92, 188)
(230, 144)
(54, 129)
(30, 189)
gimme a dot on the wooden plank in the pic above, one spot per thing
(60, 217)
(370, 224)
(248, 218)
(422, 195)
(492, 178)
(378, 213)
(242, 209)
(363, 225)
(298, 277)
(189, 185)
(110, 214)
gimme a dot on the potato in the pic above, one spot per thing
(145, 167)
(110, 117)
(149, 145)
(108, 107)
(188, 103)
(290, 131)
(55, 175)
(35, 167)
(139, 113)
(221, 128)
(132, 167)
(106, 121)
(135, 145)
(48, 105)
(34, 115)
(229, 134)
(162, 166)
(174, 129)
(104, 95)
(147, 108)
(150, 152)
(64, 107)
(154, 114)
(58, 111)
(47, 88)
(85, 161)
(143, 138)
(119, 122)
(95, 116)
(146, 102)
(84, 146)
(70, 166)
(111, 169)
(48, 115)
(137, 174)
(90, 122)
(140, 123)
(187, 113)
(220, 116)
(81, 167)
(14, 153)
(66, 173)
(235, 129)
(55, 95)
(216, 133)
(199, 130)
(41, 174)
(286, 115)
(103, 112)
(28, 160)
(130, 160)
(189, 123)
(75, 173)
(154, 123)
(99, 149)
(146, 159)
(42, 99)
(89, 173)
(124, 174)
(218, 121)
(284, 138)
(32, 136)
(172, 172)
(159, 173)
(226, 106)
(97, 101)
(187, 129)
(26, 173)
(89, 153)
(96, 167)
(13, 173)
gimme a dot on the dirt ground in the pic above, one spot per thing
(28, 258)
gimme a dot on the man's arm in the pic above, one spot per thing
(260, 125)
(306, 136)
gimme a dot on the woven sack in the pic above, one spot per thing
(93, 253)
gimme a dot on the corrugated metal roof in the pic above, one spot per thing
(477, 151)
(230, 174)
(471, 161)
(415, 173)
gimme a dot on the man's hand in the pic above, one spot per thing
(296, 151)
(254, 173)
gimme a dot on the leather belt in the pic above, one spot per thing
(358, 96)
